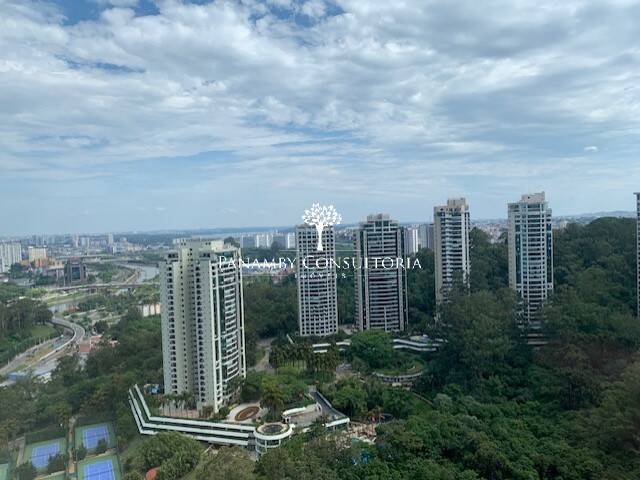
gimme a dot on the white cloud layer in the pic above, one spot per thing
(326, 97)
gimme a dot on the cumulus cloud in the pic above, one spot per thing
(355, 89)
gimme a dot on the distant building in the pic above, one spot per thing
(203, 345)
(149, 309)
(37, 253)
(316, 279)
(531, 254)
(425, 234)
(451, 246)
(264, 240)
(109, 238)
(638, 251)
(412, 240)
(290, 240)
(75, 271)
(10, 253)
(248, 241)
(381, 283)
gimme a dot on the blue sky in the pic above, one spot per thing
(146, 115)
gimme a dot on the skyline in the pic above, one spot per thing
(161, 122)
(249, 229)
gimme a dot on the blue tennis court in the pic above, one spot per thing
(41, 454)
(92, 436)
(102, 470)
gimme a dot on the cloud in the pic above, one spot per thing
(322, 96)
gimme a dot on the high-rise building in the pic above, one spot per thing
(75, 271)
(290, 240)
(37, 253)
(203, 346)
(317, 283)
(248, 241)
(425, 234)
(412, 240)
(530, 254)
(264, 240)
(381, 280)
(10, 253)
(638, 252)
(451, 246)
(109, 238)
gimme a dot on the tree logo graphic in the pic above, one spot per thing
(320, 217)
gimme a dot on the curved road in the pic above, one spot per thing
(48, 362)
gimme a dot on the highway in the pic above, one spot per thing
(48, 362)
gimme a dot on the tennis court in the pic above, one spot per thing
(99, 468)
(39, 453)
(91, 435)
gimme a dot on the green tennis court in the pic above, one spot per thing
(40, 452)
(90, 435)
(103, 467)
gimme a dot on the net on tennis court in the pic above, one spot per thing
(91, 436)
(41, 454)
(102, 470)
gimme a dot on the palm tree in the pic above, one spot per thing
(272, 397)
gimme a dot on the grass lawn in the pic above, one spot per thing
(79, 435)
(112, 459)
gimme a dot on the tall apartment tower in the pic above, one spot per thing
(203, 347)
(638, 252)
(412, 240)
(10, 253)
(531, 254)
(451, 245)
(381, 282)
(317, 283)
(426, 234)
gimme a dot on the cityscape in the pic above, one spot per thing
(319, 239)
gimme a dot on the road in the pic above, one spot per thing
(263, 364)
(48, 362)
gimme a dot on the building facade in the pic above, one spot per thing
(203, 343)
(317, 283)
(264, 240)
(530, 254)
(37, 253)
(75, 271)
(10, 253)
(412, 240)
(451, 246)
(381, 281)
(426, 234)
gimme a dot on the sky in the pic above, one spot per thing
(120, 115)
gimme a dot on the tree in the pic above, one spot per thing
(349, 397)
(230, 463)
(272, 397)
(26, 471)
(57, 463)
(164, 446)
(101, 447)
(480, 338)
(374, 347)
(81, 452)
